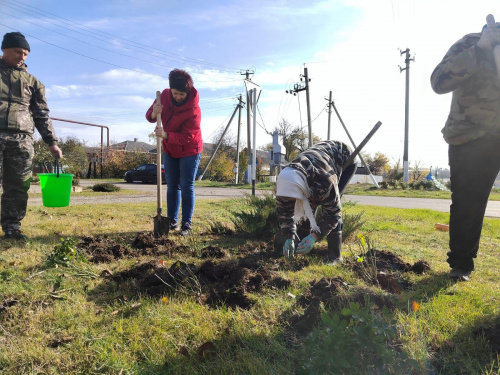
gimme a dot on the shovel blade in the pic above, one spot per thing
(161, 226)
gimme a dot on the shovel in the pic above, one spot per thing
(161, 223)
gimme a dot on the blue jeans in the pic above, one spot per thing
(180, 174)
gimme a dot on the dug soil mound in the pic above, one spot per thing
(386, 269)
(215, 284)
(104, 249)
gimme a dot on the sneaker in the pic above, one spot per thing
(16, 234)
(173, 225)
(459, 275)
(185, 229)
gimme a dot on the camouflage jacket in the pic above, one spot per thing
(23, 105)
(471, 74)
(322, 164)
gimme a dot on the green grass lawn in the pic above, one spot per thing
(78, 319)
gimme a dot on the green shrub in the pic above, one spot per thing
(260, 219)
(383, 185)
(355, 341)
(351, 222)
(106, 187)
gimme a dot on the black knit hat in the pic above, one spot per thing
(15, 40)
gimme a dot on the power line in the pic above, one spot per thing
(133, 44)
(101, 61)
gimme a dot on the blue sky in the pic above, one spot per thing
(102, 63)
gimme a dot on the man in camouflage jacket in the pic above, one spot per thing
(22, 108)
(316, 177)
(472, 131)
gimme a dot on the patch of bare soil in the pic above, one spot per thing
(215, 284)
(389, 269)
(324, 291)
(104, 249)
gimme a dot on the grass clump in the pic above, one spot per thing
(106, 188)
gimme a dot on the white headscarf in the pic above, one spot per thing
(292, 183)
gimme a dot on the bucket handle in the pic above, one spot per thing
(56, 166)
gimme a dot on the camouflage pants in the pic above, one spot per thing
(16, 156)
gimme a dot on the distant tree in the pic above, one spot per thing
(294, 138)
(417, 170)
(152, 138)
(396, 172)
(116, 162)
(221, 168)
(228, 143)
(75, 156)
(377, 164)
(42, 158)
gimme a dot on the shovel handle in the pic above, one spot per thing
(158, 159)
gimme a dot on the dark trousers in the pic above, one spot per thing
(473, 169)
(16, 155)
(305, 228)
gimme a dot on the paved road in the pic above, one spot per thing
(147, 193)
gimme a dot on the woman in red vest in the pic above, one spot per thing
(182, 144)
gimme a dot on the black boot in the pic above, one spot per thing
(334, 248)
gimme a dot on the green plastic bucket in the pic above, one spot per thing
(56, 189)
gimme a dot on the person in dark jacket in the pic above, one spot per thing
(182, 144)
(22, 108)
(316, 177)
(472, 131)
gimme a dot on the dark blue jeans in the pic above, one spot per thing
(473, 169)
(180, 174)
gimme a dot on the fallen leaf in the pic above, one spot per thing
(415, 306)
(291, 295)
(165, 300)
(162, 262)
(115, 312)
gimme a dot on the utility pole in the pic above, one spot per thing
(309, 123)
(220, 141)
(301, 87)
(330, 103)
(407, 109)
(247, 75)
(237, 166)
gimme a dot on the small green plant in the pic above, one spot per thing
(358, 340)
(366, 259)
(64, 253)
(105, 187)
